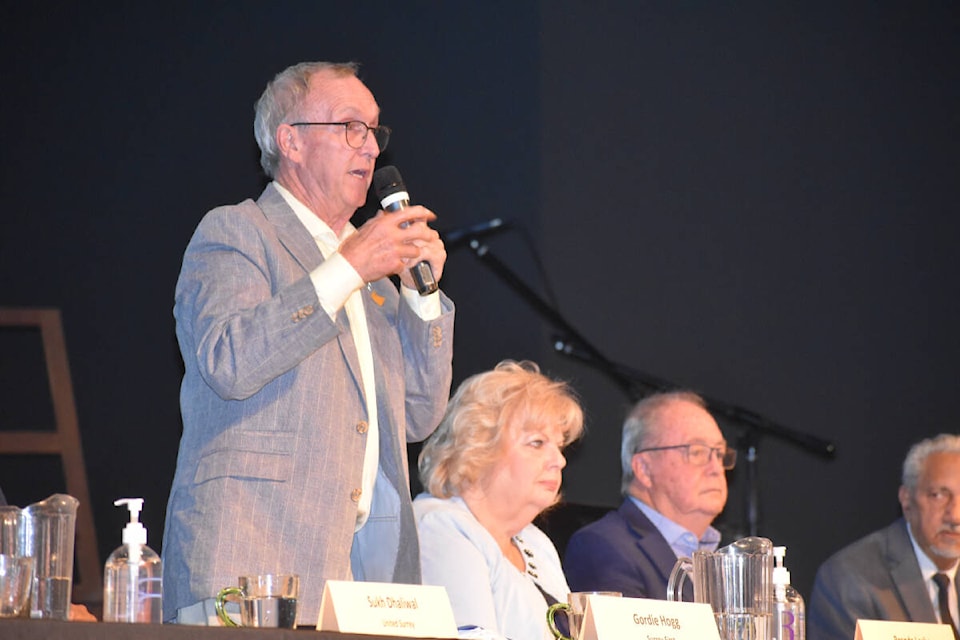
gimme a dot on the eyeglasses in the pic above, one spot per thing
(356, 132)
(700, 454)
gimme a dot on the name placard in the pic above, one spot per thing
(609, 617)
(887, 630)
(386, 609)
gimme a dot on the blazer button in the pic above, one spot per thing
(300, 314)
(362, 426)
(355, 495)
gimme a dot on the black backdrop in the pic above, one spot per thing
(756, 202)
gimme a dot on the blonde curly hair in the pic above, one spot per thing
(486, 409)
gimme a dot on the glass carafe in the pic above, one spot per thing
(736, 581)
(47, 530)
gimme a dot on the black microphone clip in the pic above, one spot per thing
(456, 237)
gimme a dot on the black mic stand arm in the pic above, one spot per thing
(548, 312)
(628, 379)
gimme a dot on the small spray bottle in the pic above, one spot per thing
(789, 615)
(132, 576)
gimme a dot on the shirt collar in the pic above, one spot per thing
(927, 568)
(317, 228)
(683, 541)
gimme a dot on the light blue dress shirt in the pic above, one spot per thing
(682, 541)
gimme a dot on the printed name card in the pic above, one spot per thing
(887, 630)
(385, 609)
(611, 618)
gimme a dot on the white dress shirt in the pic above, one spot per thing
(338, 285)
(928, 570)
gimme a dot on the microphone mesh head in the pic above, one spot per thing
(387, 181)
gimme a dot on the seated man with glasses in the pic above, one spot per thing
(673, 458)
(906, 571)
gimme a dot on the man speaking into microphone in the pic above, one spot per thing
(306, 369)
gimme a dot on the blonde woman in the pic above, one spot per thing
(492, 465)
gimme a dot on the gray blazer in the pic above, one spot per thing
(274, 421)
(875, 578)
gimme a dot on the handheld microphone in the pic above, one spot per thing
(393, 196)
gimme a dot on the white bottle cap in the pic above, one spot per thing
(781, 577)
(134, 533)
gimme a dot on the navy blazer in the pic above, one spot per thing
(622, 551)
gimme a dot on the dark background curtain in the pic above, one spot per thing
(755, 201)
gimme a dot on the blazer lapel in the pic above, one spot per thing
(300, 244)
(907, 579)
(652, 544)
(290, 231)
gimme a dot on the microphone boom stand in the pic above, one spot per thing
(627, 379)
(547, 311)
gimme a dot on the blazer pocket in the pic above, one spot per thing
(253, 455)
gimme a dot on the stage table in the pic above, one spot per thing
(18, 629)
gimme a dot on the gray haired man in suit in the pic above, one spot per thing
(673, 456)
(306, 369)
(893, 573)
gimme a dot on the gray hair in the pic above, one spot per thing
(917, 456)
(284, 95)
(641, 428)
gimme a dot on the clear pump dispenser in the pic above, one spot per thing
(132, 576)
(789, 614)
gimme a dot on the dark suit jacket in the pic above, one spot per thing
(622, 551)
(875, 578)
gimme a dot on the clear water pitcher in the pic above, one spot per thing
(736, 581)
(47, 530)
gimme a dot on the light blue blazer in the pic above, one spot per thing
(274, 420)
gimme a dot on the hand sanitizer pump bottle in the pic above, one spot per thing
(789, 615)
(132, 576)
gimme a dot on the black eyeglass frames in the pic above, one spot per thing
(356, 132)
(701, 454)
